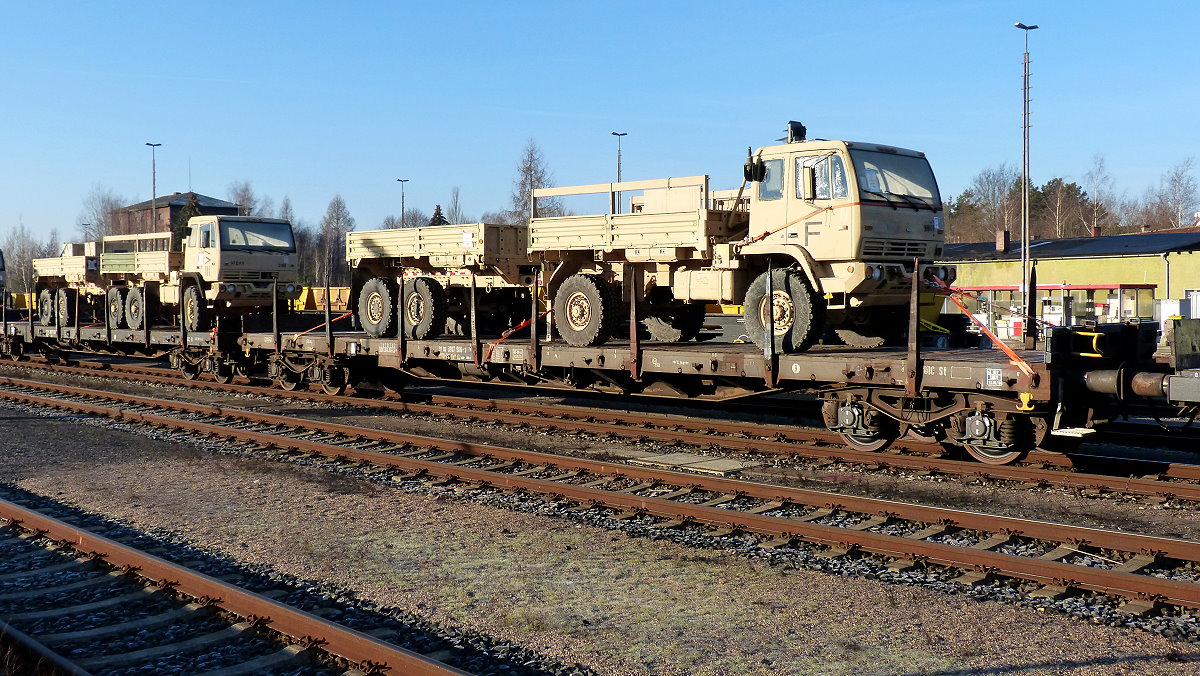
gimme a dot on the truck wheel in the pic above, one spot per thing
(64, 304)
(135, 309)
(676, 324)
(797, 313)
(195, 309)
(377, 308)
(45, 307)
(424, 308)
(585, 309)
(114, 308)
(871, 328)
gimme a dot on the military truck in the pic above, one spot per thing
(224, 265)
(832, 228)
(437, 266)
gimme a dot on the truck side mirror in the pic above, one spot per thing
(808, 184)
(754, 170)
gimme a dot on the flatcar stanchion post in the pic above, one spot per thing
(401, 338)
(474, 317)
(1031, 310)
(76, 337)
(146, 313)
(635, 347)
(275, 337)
(769, 349)
(533, 320)
(329, 323)
(912, 383)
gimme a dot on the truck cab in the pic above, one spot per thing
(236, 259)
(854, 215)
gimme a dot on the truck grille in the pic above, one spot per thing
(245, 276)
(888, 248)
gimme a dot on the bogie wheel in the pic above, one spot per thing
(289, 380)
(424, 308)
(333, 390)
(45, 307)
(334, 381)
(994, 456)
(189, 371)
(585, 310)
(795, 311)
(195, 309)
(135, 308)
(64, 307)
(223, 374)
(377, 307)
(114, 307)
(864, 443)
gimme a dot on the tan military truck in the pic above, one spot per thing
(837, 223)
(436, 266)
(225, 264)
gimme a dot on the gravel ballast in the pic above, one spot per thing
(572, 592)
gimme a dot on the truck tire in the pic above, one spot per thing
(424, 308)
(114, 307)
(798, 312)
(671, 321)
(45, 307)
(585, 310)
(377, 307)
(64, 307)
(135, 308)
(195, 309)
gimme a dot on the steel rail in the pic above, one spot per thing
(355, 647)
(1014, 473)
(1042, 571)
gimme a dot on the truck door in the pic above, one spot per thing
(818, 223)
(769, 210)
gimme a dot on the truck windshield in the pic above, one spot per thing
(893, 175)
(257, 235)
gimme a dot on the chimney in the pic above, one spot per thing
(1002, 241)
(1095, 231)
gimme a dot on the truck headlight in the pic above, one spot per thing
(230, 288)
(290, 288)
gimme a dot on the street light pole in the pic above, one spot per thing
(402, 181)
(1026, 259)
(619, 134)
(153, 185)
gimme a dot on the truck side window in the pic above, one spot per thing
(830, 174)
(205, 236)
(771, 187)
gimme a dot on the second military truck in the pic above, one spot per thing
(224, 265)
(822, 233)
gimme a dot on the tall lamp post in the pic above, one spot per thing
(619, 134)
(153, 186)
(402, 181)
(1025, 257)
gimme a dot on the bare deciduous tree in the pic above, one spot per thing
(242, 194)
(97, 219)
(20, 248)
(1178, 193)
(334, 226)
(414, 218)
(454, 210)
(532, 173)
(285, 210)
(1063, 207)
(1101, 208)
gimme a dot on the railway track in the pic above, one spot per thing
(1144, 570)
(1157, 480)
(78, 603)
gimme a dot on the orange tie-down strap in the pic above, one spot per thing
(321, 326)
(1013, 357)
(508, 332)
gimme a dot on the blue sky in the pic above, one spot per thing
(309, 99)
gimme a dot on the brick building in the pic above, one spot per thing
(157, 216)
